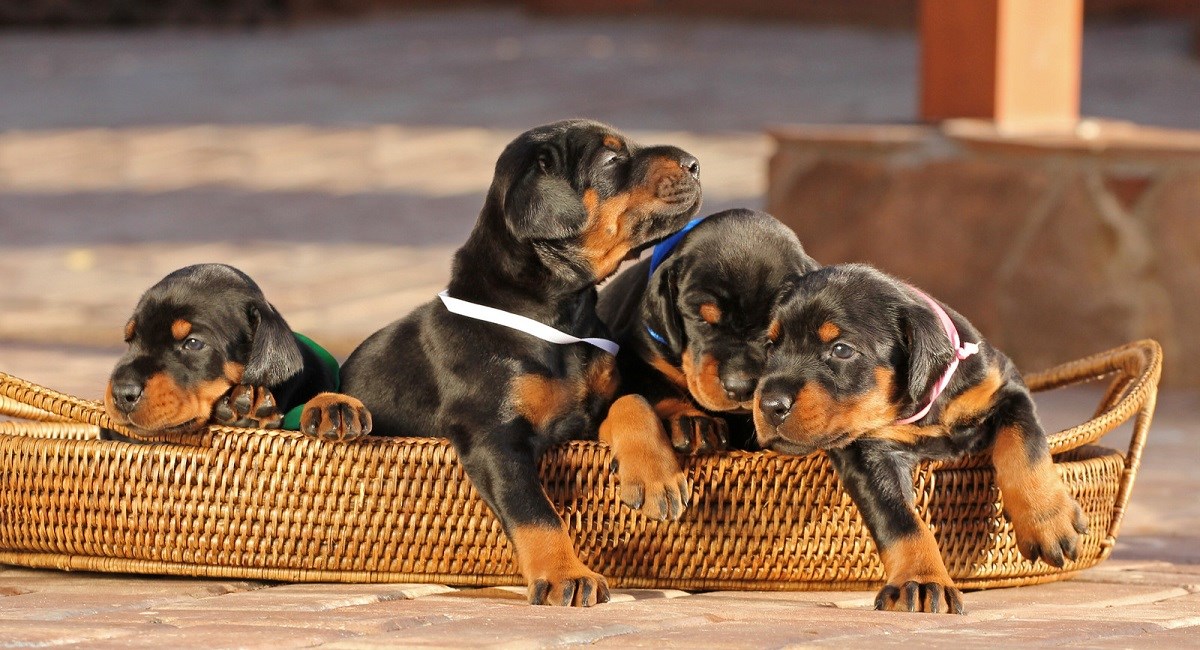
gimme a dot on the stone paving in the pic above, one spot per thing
(340, 165)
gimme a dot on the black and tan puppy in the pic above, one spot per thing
(569, 202)
(882, 376)
(692, 322)
(205, 347)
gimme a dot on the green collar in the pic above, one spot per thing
(291, 421)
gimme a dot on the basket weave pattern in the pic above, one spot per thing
(281, 506)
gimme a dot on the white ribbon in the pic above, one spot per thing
(520, 323)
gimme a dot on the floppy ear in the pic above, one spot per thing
(542, 204)
(928, 347)
(660, 310)
(274, 354)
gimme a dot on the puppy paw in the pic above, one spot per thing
(695, 433)
(1050, 530)
(333, 416)
(578, 588)
(932, 596)
(654, 484)
(247, 406)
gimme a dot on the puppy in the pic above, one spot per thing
(692, 322)
(205, 347)
(569, 202)
(882, 376)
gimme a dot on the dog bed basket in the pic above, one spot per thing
(273, 505)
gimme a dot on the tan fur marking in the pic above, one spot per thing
(828, 332)
(540, 399)
(234, 372)
(180, 329)
(675, 375)
(819, 417)
(613, 142)
(915, 558)
(547, 553)
(773, 331)
(704, 383)
(974, 400)
(710, 313)
(601, 377)
(672, 407)
(1034, 496)
(165, 404)
(636, 435)
(606, 238)
(130, 330)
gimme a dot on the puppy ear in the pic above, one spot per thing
(660, 307)
(928, 347)
(274, 354)
(542, 204)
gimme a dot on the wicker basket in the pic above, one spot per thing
(279, 506)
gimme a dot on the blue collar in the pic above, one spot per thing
(661, 251)
(664, 247)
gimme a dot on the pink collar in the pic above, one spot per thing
(962, 350)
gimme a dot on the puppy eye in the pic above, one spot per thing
(193, 344)
(841, 351)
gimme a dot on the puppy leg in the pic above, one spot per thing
(649, 474)
(1047, 520)
(692, 431)
(334, 416)
(880, 482)
(248, 406)
(502, 466)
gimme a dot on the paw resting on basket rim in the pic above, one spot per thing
(648, 473)
(248, 406)
(333, 416)
(696, 433)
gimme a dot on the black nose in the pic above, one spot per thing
(692, 165)
(776, 407)
(738, 387)
(126, 395)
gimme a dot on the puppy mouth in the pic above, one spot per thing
(187, 426)
(777, 442)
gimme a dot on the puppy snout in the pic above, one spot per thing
(738, 387)
(691, 165)
(776, 407)
(126, 395)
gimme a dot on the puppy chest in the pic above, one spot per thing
(580, 394)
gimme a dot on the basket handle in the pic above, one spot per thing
(1136, 368)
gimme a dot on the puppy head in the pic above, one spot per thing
(851, 351)
(193, 336)
(711, 298)
(592, 194)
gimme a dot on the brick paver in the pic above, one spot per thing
(341, 165)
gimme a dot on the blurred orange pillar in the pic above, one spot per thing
(1012, 61)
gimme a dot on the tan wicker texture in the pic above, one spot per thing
(277, 505)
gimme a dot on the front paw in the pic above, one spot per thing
(695, 433)
(1050, 531)
(579, 588)
(334, 416)
(247, 406)
(933, 597)
(654, 484)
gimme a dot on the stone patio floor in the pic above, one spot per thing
(340, 165)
